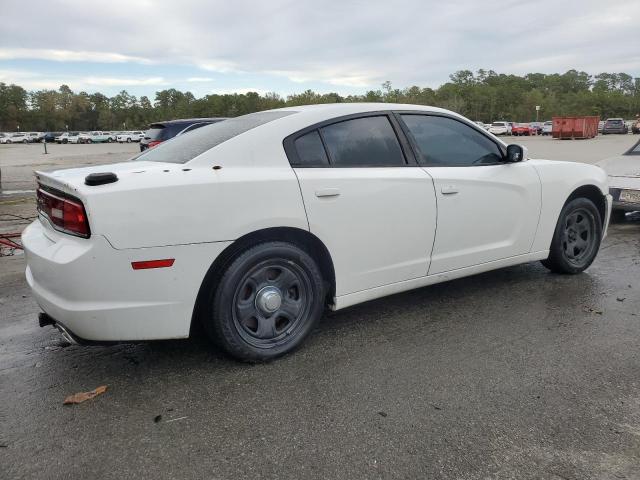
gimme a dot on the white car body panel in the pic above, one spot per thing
(473, 203)
(366, 216)
(558, 181)
(380, 230)
(119, 302)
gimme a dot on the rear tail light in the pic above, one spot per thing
(66, 213)
(153, 143)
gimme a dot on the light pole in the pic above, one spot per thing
(537, 112)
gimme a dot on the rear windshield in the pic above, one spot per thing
(497, 124)
(164, 132)
(614, 122)
(186, 147)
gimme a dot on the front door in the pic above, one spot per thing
(487, 210)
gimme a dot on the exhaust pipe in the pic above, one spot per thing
(66, 334)
(45, 319)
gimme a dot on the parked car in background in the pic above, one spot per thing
(18, 137)
(77, 137)
(614, 125)
(635, 127)
(537, 126)
(159, 132)
(547, 127)
(129, 137)
(97, 137)
(49, 136)
(520, 129)
(624, 181)
(113, 136)
(500, 128)
(600, 126)
(252, 227)
(62, 138)
(4, 137)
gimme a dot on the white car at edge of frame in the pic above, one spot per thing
(624, 181)
(254, 225)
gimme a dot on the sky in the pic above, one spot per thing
(285, 46)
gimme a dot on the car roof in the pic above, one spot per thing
(310, 114)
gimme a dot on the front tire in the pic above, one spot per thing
(267, 300)
(576, 239)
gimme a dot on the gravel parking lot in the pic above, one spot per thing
(516, 373)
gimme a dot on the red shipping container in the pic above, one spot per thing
(575, 127)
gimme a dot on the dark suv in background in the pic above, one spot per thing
(615, 125)
(162, 131)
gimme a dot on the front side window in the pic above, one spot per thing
(363, 142)
(446, 142)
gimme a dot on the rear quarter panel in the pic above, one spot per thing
(559, 180)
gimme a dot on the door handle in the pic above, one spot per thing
(449, 189)
(327, 192)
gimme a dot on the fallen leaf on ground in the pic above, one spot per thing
(84, 396)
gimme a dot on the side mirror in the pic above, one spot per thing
(516, 153)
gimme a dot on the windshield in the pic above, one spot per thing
(614, 122)
(183, 148)
(497, 124)
(635, 150)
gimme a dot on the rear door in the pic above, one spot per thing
(488, 210)
(366, 199)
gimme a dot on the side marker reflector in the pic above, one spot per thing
(167, 262)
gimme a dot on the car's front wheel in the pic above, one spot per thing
(576, 239)
(267, 301)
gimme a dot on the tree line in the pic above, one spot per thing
(484, 96)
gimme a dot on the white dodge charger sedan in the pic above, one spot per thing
(252, 226)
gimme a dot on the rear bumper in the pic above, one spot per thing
(91, 290)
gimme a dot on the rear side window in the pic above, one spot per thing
(311, 152)
(183, 148)
(362, 142)
(449, 143)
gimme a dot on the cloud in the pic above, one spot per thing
(110, 81)
(68, 55)
(231, 91)
(35, 81)
(199, 79)
(340, 46)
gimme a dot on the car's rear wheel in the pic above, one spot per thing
(266, 302)
(576, 239)
(128, 140)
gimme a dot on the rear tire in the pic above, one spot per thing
(576, 239)
(267, 300)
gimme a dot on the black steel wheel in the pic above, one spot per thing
(266, 302)
(577, 237)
